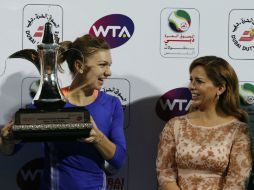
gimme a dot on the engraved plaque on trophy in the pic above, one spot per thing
(47, 119)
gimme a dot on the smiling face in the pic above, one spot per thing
(203, 90)
(97, 68)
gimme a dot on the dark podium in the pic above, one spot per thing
(47, 119)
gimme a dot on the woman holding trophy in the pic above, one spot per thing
(80, 164)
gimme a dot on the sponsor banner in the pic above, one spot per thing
(179, 33)
(116, 183)
(120, 88)
(241, 34)
(11, 86)
(246, 90)
(22, 170)
(29, 88)
(251, 124)
(34, 19)
(116, 29)
(173, 103)
(119, 180)
(2, 68)
(29, 175)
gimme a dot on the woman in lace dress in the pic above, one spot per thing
(209, 148)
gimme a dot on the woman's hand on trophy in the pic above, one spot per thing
(6, 131)
(6, 134)
(100, 141)
(7, 142)
(95, 135)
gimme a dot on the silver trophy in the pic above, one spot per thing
(47, 119)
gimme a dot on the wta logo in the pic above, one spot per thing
(116, 29)
(173, 103)
(28, 177)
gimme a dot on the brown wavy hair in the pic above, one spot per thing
(220, 72)
(80, 49)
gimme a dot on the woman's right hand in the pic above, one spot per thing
(6, 130)
(7, 142)
(6, 134)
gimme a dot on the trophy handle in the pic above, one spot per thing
(28, 54)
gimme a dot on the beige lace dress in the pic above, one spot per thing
(204, 158)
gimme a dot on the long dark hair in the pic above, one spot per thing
(220, 72)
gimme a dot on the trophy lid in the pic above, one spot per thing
(48, 37)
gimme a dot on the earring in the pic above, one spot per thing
(81, 71)
(217, 96)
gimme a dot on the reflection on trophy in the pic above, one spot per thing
(49, 120)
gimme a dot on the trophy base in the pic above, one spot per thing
(59, 125)
(51, 132)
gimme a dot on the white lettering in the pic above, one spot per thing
(123, 32)
(173, 104)
(114, 28)
(100, 30)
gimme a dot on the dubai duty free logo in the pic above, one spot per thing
(35, 36)
(179, 32)
(34, 19)
(116, 29)
(241, 34)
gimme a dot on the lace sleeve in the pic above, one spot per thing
(165, 162)
(240, 161)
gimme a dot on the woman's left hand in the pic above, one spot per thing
(100, 141)
(95, 135)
